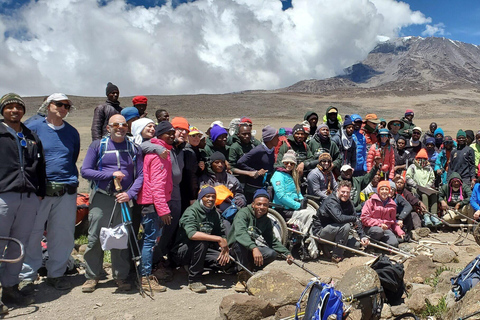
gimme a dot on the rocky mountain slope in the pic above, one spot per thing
(409, 63)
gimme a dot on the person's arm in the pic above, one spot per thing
(471, 164)
(336, 154)
(409, 176)
(240, 222)
(367, 178)
(279, 186)
(314, 185)
(353, 158)
(467, 193)
(137, 184)
(40, 170)
(149, 147)
(160, 176)
(97, 122)
(244, 162)
(237, 190)
(89, 167)
(406, 208)
(370, 156)
(335, 212)
(392, 163)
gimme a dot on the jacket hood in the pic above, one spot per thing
(437, 131)
(355, 117)
(454, 175)
(308, 114)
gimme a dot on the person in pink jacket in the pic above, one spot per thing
(385, 152)
(379, 216)
(154, 197)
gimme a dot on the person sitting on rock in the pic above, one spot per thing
(321, 181)
(404, 210)
(199, 237)
(296, 142)
(248, 225)
(379, 216)
(455, 196)
(417, 205)
(384, 150)
(333, 219)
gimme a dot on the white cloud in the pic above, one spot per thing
(434, 30)
(206, 46)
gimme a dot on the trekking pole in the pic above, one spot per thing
(469, 315)
(335, 244)
(466, 217)
(127, 221)
(22, 250)
(241, 266)
(387, 247)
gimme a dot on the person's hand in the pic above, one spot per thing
(400, 223)
(439, 172)
(476, 215)
(378, 161)
(402, 236)
(457, 206)
(222, 242)
(261, 172)
(422, 206)
(257, 257)
(443, 205)
(118, 175)
(290, 259)
(166, 219)
(300, 168)
(304, 203)
(122, 197)
(364, 242)
(223, 257)
(164, 154)
(201, 165)
(384, 226)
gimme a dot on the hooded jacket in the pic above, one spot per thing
(446, 192)
(462, 161)
(388, 159)
(475, 197)
(374, 213)
(101, 115)
(317, 183)
(418, 176)
(349, 156)
(285, 190)
(317, 147)
(302, 152)
(361, 144)
(307, 115)
(408, 126)
(336, 124)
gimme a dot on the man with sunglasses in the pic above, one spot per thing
(103, 112)
(61, 143)
(414, 145)
(22, 186)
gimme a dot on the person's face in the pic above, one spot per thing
(371, 124)
(384, 138)
(357, 125)
(430, 147)
(181, 135)
(163, 116)
(461, 140)
(400, 184)
(392, 192)
(218, 166)
(221, 141)
(245, 134)
(141, 108)
(13, 113)
(347, 175)
(400, 144)
(194, 139)
(260, 206)
(299, 136)
(469, 141)
(168, 137)
(313, 121)
(395, 127)
(289, 166)
(416, 135)
(324, 131)
(384, 193)
(113, 96)
(325, 164)
(433, 127)
(332, 116)
(149, 131)
(439, 136)
(376, 179)
(275, 140)
(477, 138)
(59, 109)
(448, 145)
(349, 130)
(409, 117)
(343, 193)
(208, 200)
(456, 183)
(203, 143)
(117, 127)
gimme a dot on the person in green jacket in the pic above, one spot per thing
(321, 143)
(199, 237)
(242, 143)
(296, 142)
(248, 225)
(408, 124)
(455, 196)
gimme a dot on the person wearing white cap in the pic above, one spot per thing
(321, 181)
(414, 145)
(61, 143)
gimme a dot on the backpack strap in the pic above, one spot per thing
(297, 305)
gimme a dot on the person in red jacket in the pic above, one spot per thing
(385, 151)
(379, 216)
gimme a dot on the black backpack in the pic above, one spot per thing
(391, 277)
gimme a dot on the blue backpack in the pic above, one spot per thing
(323, 300)
(466, 279)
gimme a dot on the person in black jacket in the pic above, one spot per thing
(103, 112)
(22, 186)
(333, 219)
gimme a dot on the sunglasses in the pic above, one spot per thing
(289, 163)
(416, 132)
(396, 124)
(384, 136)
(197, 135)
(59, 104)
(23, 141)
(117, 125)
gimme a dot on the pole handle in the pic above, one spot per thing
(118, 185)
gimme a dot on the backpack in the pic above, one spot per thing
(391, 278)
(466, 279)
(323, 301)
(82, 207)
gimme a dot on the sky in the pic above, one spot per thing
(205, 46)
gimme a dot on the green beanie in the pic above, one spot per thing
(461, 133)
(11, 98)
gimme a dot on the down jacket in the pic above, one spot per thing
(285, 190)
(374, 213)
(361, 143)
(101, 115)
(388, 159)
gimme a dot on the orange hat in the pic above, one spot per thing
(383, 183)
(180, 123)
(372, 117)
(422, 154)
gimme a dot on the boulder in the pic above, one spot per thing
(420, 266)
(444, 284)
(424, 288)
(467, 305)
(400, 309)
(284, 312)
(275, 286)
(434, 298)
(386, 311)
(244, 307)
(443, 255)
(416, 301)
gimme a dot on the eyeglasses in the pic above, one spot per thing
(396, 124)
(416, 132)
(289, 163)
(384, 136)
(23, 141)
(197, 135)
(181, 130)
(59, 104)
(117, 125)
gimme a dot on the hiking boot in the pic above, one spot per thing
(3, 309)
(90, 285)
(427, 221)
(13, 295)
(26, 287)
(163, 274)
(436, 222)
(197, 287)
(156, 287)
(123, 285)
(59, 283)
(240, 287)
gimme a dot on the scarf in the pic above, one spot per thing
(328, 176)
(346, 140)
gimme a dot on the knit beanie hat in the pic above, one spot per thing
(325, 156)
(392, 185)
(470, 134)
(289, 156)
(206, 190)
(348, 121)
(430, 141)
(163, 127)
(408, 112)
(137, 128)
(139, 100)
(282, 132)
(298, 127)
(461, 133)
(110, 88)
(437, 131)
(320, 126)
(268, 133)
(261, 193)
(11, 98)
(422, 154)
(383, 183)
(217, 155)
(130, 112)
(216, 132)
(180, 123)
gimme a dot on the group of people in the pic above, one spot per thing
(202, 198)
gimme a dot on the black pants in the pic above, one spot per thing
(245, 256)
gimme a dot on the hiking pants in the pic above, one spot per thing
(245, 256)
(169, 232)
(101, 208)
(60, 212)
(152, 230)
(337, 233)
(379, 234)
(17, 214)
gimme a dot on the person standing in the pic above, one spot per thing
(462, 160)
(408, 124)
(22, 186)
(61, 144)
(103, 112)
(141, 103)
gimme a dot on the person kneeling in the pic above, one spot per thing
(248, 225)
(199, 236)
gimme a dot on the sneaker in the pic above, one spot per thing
(154, 285)
(90, 285)
(240, 287)
(26, 287)
(13, 295)
(427, 221)
(197, 287)
(59, 283)
(163, 274)
(123, 285)
(436, 222)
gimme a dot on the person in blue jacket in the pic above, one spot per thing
(285, 182)
(475, 201)
(361, 143)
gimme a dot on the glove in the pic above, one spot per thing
(303, 203)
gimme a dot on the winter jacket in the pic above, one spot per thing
(374, 213)
(361, 144)
(476, 149)
(302, 152)
(451, 198)
(358, 184)
(245, 221)
(402, 157)
(462, 161)
(403, 207)
(101, 115)
(432, 157)
(425, 136)
(189, 186)
(441, 163)
(238, 149)
(211, 149)
(349, 156)
(408, 126)
(335, 125)
(317, 184)
(387, 159)
(26, 174)
(258, 158)
(230, 181)
(285, 190)
(475, 197)
(418, 176)
(413, 149)
(157, 180)
(333, 210)
(317, 147)
(306, 116)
